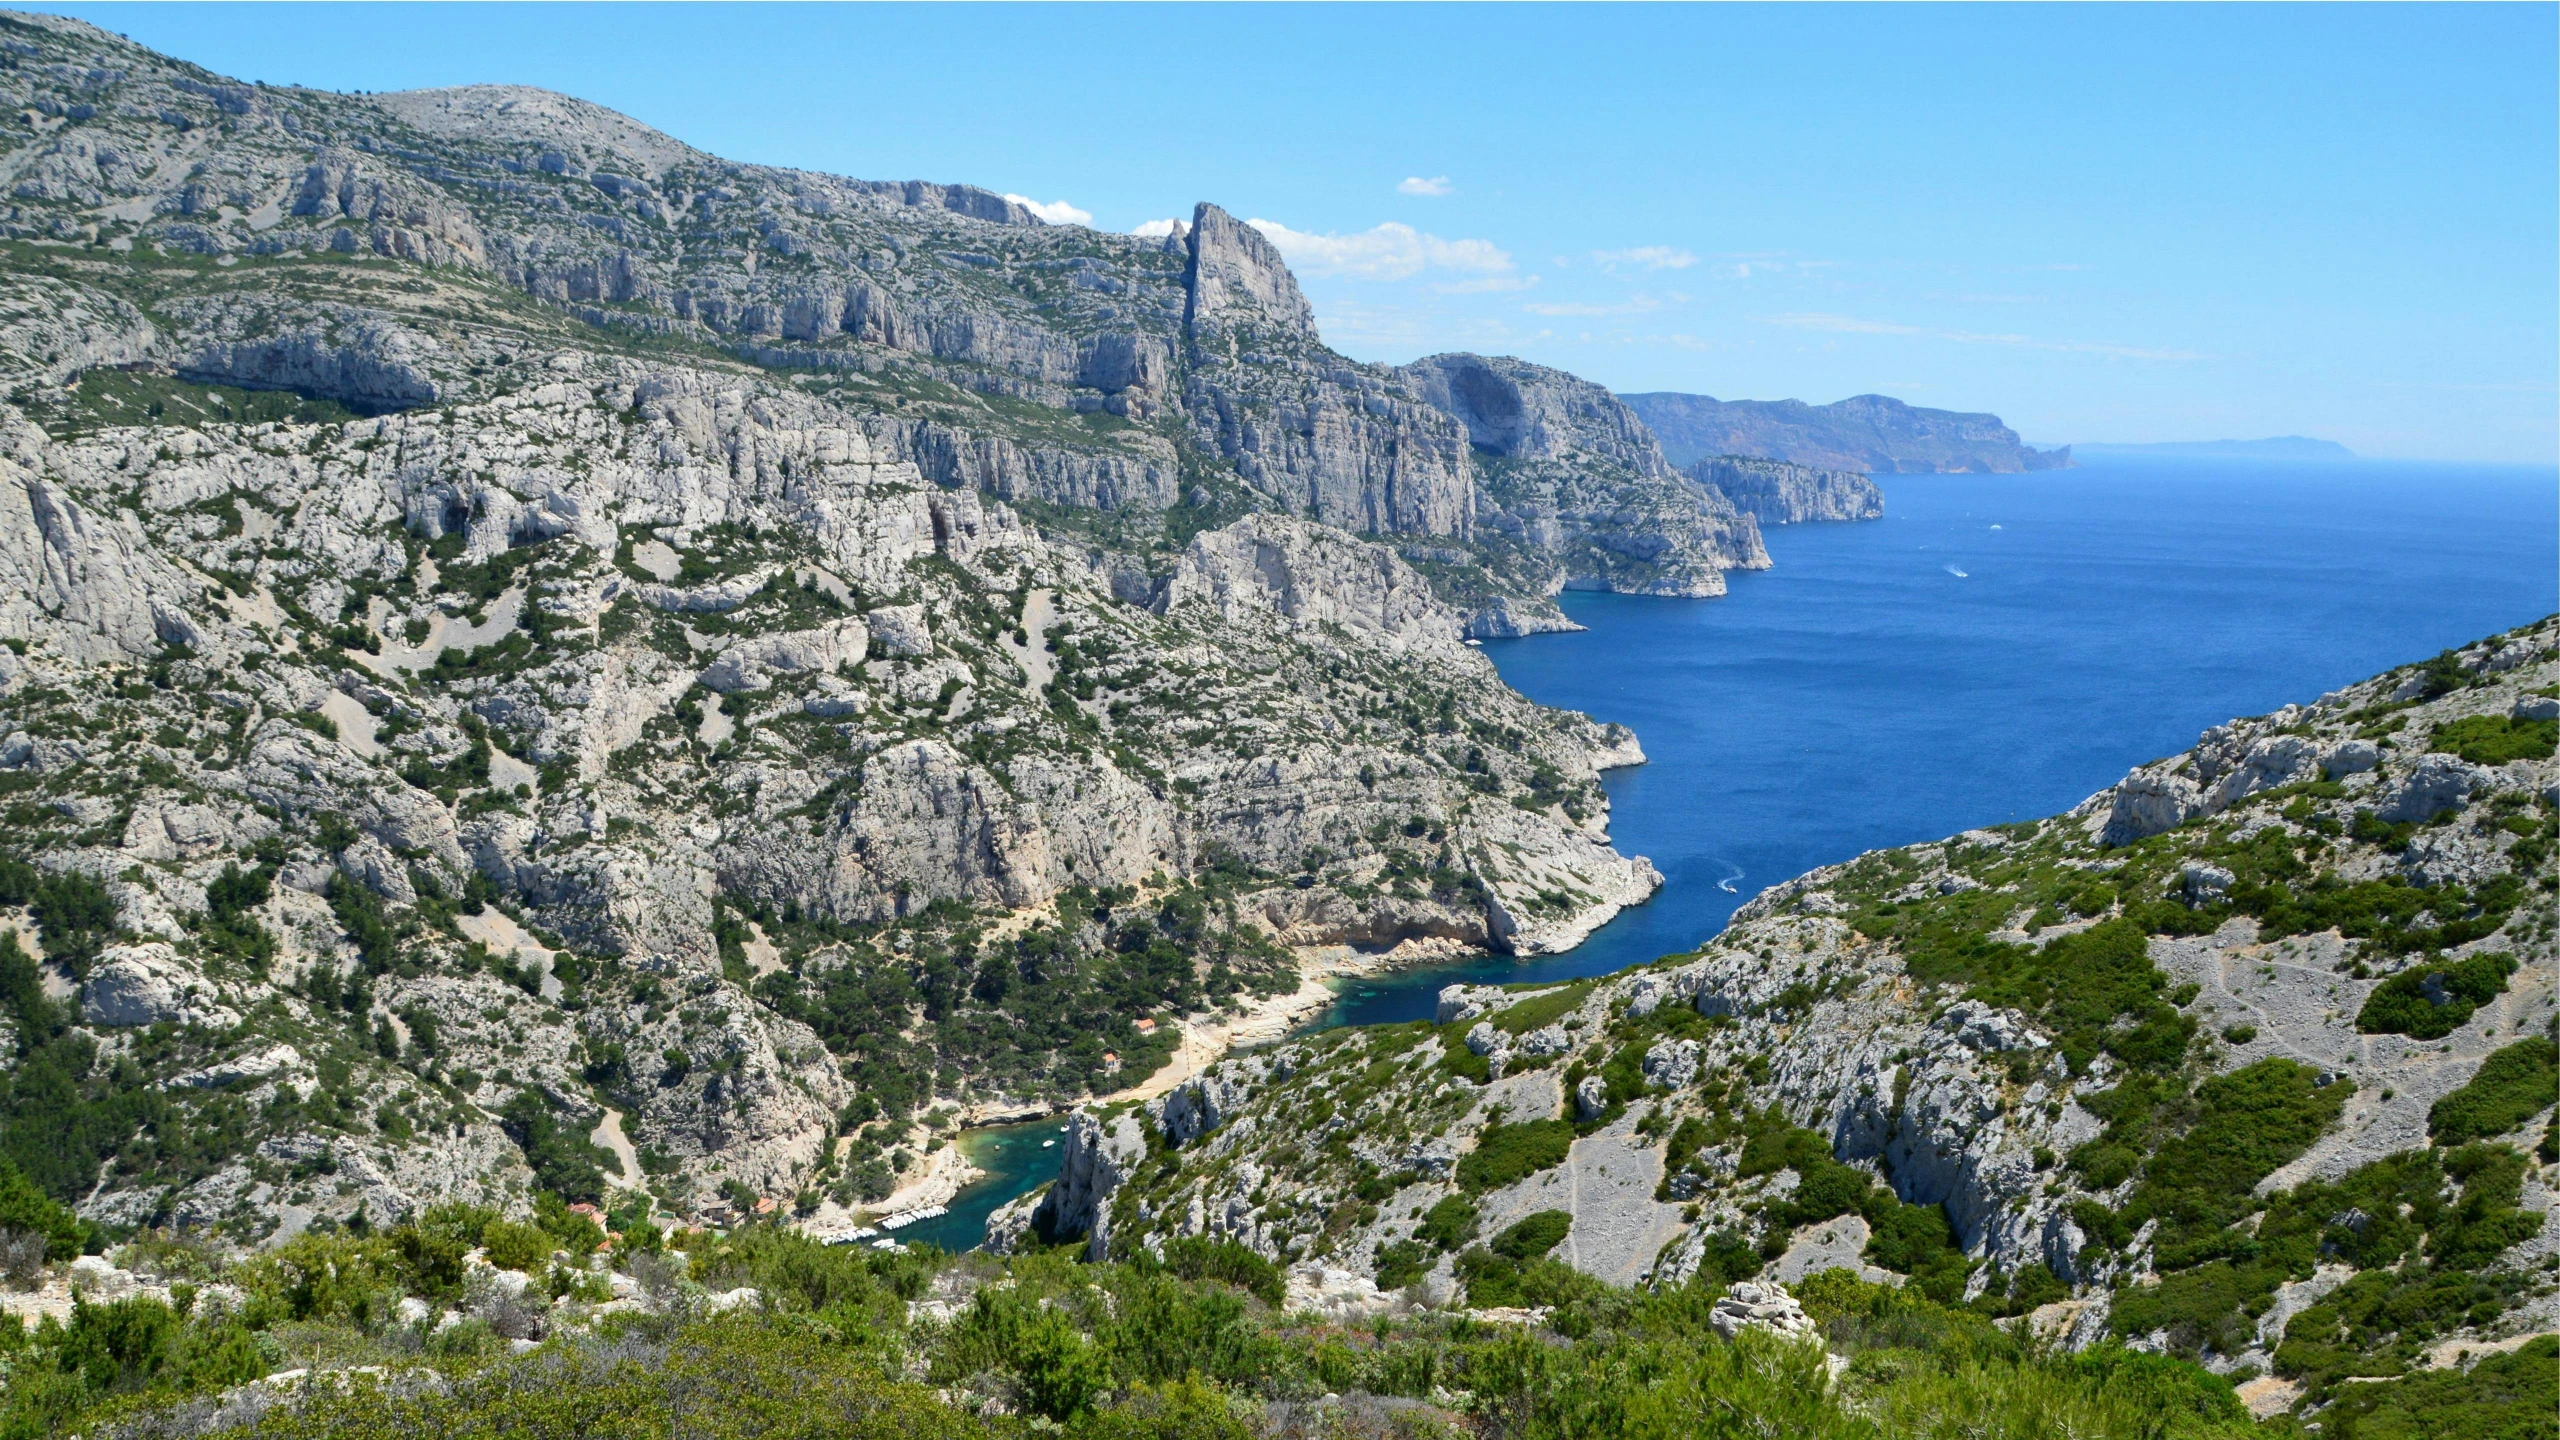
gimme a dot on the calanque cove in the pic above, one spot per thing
(574, 713)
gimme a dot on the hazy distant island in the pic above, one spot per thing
(1876, 434)
(2279, 447)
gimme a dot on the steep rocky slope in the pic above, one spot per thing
(1876, 434)
(1093, 375)
(2249, 1057)
(536, 657)
(1777, 493)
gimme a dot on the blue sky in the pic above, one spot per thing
(2103, 223)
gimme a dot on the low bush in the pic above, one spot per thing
(2510, 1087)
(2502, 1397)
(1507, 1152)
(2497, 739)
(2432, 999)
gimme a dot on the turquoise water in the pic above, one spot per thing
(1016, 1162)
(1996, 648)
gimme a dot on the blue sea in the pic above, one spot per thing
(1997, 647)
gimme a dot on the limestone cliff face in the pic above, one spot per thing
(1872, 434)
(1573, 480)
(635, 646)
(1777, 493)
(983, 345)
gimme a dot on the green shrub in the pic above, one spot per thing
(1198, 1257)
(1532, 1237)
(1448, 1224)
(2247, 1124)
(1401, 1263)
(1540, 1011)
(1506, 1152)
(24, 1207)
(2509, 1088)
(740, 1380)
(2503, 1397)
(564, 1162)
(516, 1247)
(2431, 1000)
(74, 914)
(2497, 739)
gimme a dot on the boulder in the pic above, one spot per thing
(2437, 783)
(900, 630)
(751, 663)
(1590, 1098)
(146, 984)
(1671, 1064)
(1197, 1106)
(2147, 803)
(1988, 1029)
(1749, 1303)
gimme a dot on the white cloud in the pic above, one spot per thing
(1646, 257)
(1743, 267)
(1389, 252)
(1632, 305)
(1156, 229)
(1416, 185)
(1056, 212)
(1488, 284)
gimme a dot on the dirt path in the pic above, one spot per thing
(608, 1133)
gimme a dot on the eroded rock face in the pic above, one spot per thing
(1093, 1160)
(145, 985)
(1777, 493)
(1313, 576)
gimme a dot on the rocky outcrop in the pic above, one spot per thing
(1870, 434)
(1096, 1157)
(1313, 576)
(1775, 492)
(1571, 474)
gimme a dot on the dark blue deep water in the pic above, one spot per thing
(1996, 648)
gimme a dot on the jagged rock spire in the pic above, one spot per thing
(1238, 277)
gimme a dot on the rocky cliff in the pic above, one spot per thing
(1874, 434)
(1093, 372)
(1576, 494)
(518, 631)
(2161, 1068)
(1775, 492)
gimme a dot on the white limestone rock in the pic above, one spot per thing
(900, 630)
(146, 984)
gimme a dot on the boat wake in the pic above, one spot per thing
(1958, 573)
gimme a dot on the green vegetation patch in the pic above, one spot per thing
(2510, 1087)
(2497, 739)
(1533, 1236)
(1506, 1153)
(104, 398)
(1539, 1011)
(2431, 1000)
(2502, 1397)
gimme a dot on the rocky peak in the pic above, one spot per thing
(1238, 277)
(560, 125)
